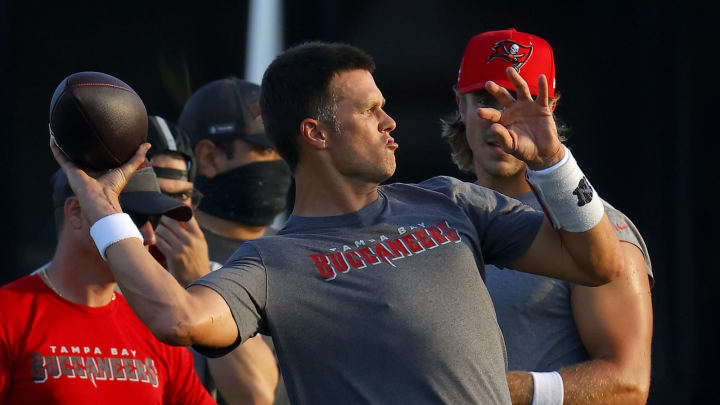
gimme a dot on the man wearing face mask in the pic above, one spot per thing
(243, 180)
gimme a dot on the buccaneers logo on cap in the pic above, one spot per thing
(512, 52)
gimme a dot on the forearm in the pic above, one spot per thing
(604, 382)
(596, 252)
(247, 375)
(600, 382)
(580, 239)
(589, 258)
(521, 387)
(154, 295)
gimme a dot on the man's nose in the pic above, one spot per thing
(387, 123)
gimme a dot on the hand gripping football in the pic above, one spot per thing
(98, 121)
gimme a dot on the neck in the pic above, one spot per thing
(80, 275)
(227, 228)
(330, 193)
(511, 186)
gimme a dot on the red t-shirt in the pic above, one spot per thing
(53, 351)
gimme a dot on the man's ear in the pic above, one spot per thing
(205, 155)
(313, 134)
(460, 101)
(73, 213)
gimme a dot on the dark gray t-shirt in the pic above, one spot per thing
(534, 312)
(386, 304)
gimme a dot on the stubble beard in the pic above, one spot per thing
(372, 172)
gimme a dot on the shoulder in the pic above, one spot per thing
(445, 186)
(20, 290)
(25, 298)
(251, 249)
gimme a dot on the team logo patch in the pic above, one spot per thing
(583, 192)
(512, 52)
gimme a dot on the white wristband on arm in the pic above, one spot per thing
(568, 199)
(547, 388)
(111, 229)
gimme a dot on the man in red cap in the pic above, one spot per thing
(583, 344)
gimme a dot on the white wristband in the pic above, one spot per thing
(547, 388)
(111, 229)
(568, 199)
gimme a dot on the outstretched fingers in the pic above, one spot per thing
(65, 163)
(489, 114)
(521, 87)
(542, 97)
(77, 178)
(128, 168)
(506, 138)
(500, 93)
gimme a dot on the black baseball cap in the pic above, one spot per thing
(224, 110)
(166, 137)
(141, 197)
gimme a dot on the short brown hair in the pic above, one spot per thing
(296, 86)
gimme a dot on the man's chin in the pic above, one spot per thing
(382, 177)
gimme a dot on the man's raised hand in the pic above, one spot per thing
(525, 128)
(98, 194)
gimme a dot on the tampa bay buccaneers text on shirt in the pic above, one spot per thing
(413, 240)
(92, 364)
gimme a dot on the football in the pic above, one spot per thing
(97, 120)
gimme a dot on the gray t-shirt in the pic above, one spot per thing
(534, 312)
(386, 304)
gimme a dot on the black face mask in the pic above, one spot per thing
(252, 194)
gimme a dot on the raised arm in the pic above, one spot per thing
(587, 258)
(249, 373)
(197, 316)
(615, 324)
(580, 246)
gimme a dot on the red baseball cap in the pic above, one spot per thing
(487, 55)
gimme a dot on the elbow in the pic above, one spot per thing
(630, 383)
(175, 336)
(636, 393)
(599, 276)
(608, 274)
(606, 270)
(614, 267)
(638, 388)
(174, 332)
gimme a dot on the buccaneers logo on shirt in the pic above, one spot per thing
(512, 52)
